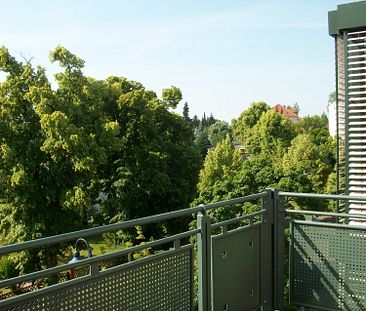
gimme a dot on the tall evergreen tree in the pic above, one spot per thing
(186, 112)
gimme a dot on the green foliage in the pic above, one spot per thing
(61, 149)
(217, 132)
(293, 157)
(201, 140)
(156, 166)
(305, 167)
(222, 177)
(295, 107)
(272, 133)
(186, 112)
(195, 122)
(316, 127)
(242, 127)
(332, 98)
(52, 146)
(172, 96)
(8, 268)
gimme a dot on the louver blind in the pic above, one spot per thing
(355, 108)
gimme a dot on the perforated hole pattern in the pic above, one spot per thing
(328, 267)
(156, 285)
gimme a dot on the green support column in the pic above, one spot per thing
(266, 253)
(279, 250)
(204, 260)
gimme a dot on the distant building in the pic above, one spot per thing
(347, 25)
(287, 112)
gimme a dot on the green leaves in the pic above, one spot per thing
(66, 59)
(62, 150)
(292, 157)
(172, 96)
(247, 120)
(217, 132)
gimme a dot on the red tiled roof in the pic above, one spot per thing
(287, 112)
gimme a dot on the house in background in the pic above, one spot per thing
(287, 112)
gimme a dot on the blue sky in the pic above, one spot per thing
(222, 54)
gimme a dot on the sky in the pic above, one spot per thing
(223, 55)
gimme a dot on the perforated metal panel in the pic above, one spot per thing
(156, 284)
(236, 269)
(328, 267)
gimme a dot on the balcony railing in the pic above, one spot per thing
(241, 263)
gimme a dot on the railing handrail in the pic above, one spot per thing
(95, 259)
(247, 198)
(331, 214)
(66, 237)
(238, 219)
(338, 197)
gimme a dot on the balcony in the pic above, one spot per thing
(242, 263)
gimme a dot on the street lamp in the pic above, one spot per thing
(76, 258)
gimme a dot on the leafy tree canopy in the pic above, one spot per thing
(217, 132)
(172, 96)
(61, 149)
(281, 154)
(247, 120)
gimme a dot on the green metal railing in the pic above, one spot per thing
(327, 269)
(240, 263)
(161, 281)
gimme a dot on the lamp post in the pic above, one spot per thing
(76, 257)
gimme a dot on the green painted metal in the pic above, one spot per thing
(327, 266)
(320, 196)
(238, 219)
(204, 267)
(160, 282)
(61, 238)
(266, 253)
(278, 250)
(317, 213)
(96, 259)
(347, 16)
(236, 269)
(247, 198)
(241, 269)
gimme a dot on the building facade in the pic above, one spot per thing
(347, 25)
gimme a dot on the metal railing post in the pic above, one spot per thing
(266, 253)
(279, 250)
(204, 260)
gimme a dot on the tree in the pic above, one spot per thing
(281, 155)
(60, 149)
(52, 143)
(186, 112)
(195, 122)
(219, 178)
(247, 119)
(211, 120)
(217, 132)
(272, 133)
(306, 169)
(201, 139)
(156, 166)
(172, 96)
(332, 98)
